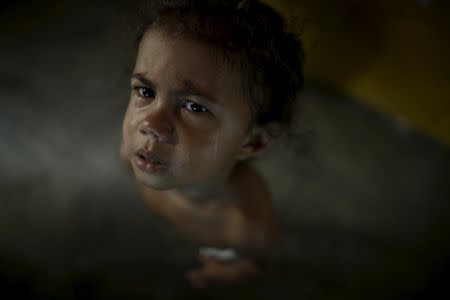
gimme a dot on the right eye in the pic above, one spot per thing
(145, 92)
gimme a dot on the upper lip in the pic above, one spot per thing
(152, 156)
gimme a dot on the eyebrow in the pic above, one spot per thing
(143, 79)
(187, 87)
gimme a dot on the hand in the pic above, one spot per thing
(215, 271)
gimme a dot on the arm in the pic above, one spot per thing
(255, 249)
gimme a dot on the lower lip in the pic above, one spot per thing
(149, 165)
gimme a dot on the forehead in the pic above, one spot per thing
(182, 58)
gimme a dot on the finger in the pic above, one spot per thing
(216, 272)
(219, 273)
(223, 255)
(207, 260)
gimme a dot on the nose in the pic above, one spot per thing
(157, 126)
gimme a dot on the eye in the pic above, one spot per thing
(145, 92)
(194, 107)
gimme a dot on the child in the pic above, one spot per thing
(213, 86)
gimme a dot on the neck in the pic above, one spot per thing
(206, 194)
(202, 195)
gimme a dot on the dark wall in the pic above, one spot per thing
(363, 197)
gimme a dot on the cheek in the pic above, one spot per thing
(128, 125)
(125, 127)
(213, 150)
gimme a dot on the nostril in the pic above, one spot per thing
(161, 132)
(149, 131)
(145, 130)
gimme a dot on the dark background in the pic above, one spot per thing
(362, 191)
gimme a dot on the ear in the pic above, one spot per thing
(259, 139)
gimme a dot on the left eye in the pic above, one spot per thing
(194, 107)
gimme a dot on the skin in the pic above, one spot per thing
(188, 108)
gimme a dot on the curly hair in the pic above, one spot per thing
(249, 35)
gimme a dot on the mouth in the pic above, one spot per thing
(148, 161)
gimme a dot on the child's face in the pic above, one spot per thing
(187, 110)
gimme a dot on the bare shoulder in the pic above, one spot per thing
(256, 208)
(256, 200)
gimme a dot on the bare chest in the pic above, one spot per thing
(240, 216)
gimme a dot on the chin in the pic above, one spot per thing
(160, 184)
